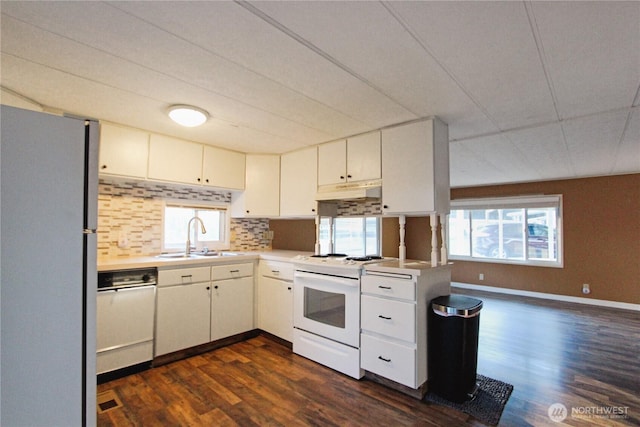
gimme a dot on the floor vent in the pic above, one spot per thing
(108, 400)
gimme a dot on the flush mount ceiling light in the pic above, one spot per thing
(187, 115)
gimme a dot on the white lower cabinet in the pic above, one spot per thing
(201, 304)
(275, 298)
(231, 300)
(182, 317)
(389, 359)
(393, 339)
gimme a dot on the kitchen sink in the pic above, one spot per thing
(211, 254)
(175, 255)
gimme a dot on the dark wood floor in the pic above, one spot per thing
(584, 357)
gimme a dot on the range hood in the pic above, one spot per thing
(350, 191)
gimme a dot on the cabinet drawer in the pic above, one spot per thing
(395, 319)
(277, 270)
(389, 360)
(389, 287)
(183, 276)
(223, 272)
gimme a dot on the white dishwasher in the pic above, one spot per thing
(125, 314)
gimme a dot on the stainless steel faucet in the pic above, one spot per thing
(204, 231)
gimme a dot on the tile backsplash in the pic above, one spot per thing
(130, 218)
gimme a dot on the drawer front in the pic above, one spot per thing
(395, 319)
(277, 270)
(183, 276)
(223, 272)
(389, 287)
(389, 360)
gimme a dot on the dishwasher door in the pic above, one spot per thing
(124, 334)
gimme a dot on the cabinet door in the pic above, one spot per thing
(123, 151)
(332, 162)
(182, 317)
(223, 168)
(176, 160)
(261, 197)
(231, 307)
(407, 169)
(363, 157)
(275, 307)
(299, 182)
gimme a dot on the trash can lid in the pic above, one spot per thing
(456, 305)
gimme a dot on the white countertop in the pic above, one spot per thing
(111, 264)
(408, 266)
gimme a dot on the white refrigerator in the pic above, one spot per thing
(48, 215)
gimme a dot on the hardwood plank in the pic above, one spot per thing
(580, 356)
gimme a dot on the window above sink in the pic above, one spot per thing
(175, 219)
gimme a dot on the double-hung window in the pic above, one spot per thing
(517, 230)
(177, 216)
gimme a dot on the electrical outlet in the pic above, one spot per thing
(481, 276)
(586, 289)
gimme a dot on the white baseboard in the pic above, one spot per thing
(579, 300)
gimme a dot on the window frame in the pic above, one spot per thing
(516, 202)
(332, 239)
(223, 244)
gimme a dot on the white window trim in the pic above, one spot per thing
(198, 204)
(523, 202)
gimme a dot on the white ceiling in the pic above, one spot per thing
(531, 90)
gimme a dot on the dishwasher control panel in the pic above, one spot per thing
(127, 278)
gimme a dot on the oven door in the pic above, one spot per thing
(328, 306)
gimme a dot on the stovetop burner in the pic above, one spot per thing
(364, 258)
(329, 256)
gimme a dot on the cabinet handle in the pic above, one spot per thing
(234, 271)
(341, 176)
(349, 176)
(383, 359)
(247, 211)
(385, 206)
(384, 287)
(103, 166)
(215, 287)
(313, 210)
(384, 317)
(275, 271)
(207, 180)
(288, 288)
(198, 179)
(208, 287)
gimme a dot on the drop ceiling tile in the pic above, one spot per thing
(367, 39)
(628, 153)
(593, 141)
(593, 53)
(256, 47)
(545, 150)
(489, 48)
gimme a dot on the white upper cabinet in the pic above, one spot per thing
(298, 183)
(363, 157)
(175, 160)
(123, 151)
(415, 168)
(261, 197)
(332, 162)
(223, 168)
(354, 159)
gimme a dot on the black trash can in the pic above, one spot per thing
(454, 322)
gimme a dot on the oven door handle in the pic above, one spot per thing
(323, 278)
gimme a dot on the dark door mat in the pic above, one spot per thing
(488, 404)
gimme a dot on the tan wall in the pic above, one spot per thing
(601, 221)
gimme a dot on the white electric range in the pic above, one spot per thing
(326, 310)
